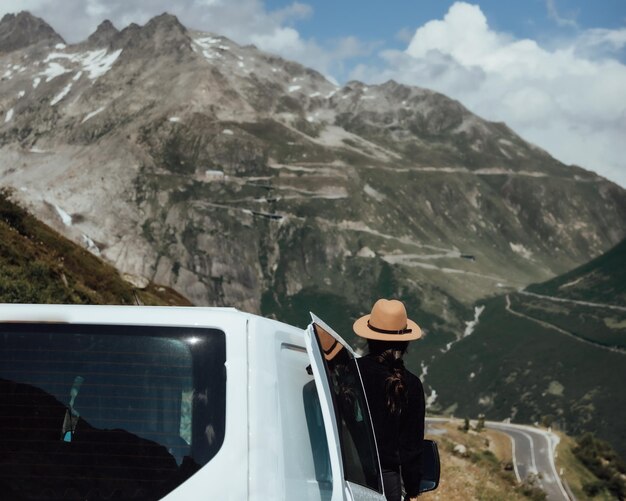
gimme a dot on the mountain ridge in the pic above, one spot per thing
(240, 178)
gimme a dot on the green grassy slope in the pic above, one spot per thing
(533, 373)
(554, 353)
(37, 265)
(600, 280)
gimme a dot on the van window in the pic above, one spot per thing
(107, 412)
(358, 449)
(307, 467)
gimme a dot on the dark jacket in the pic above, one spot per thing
(398, 437)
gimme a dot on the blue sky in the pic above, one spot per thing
(553, 70)
(388, 24)
(527, 18)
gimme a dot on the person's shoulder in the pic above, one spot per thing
(365, 359)
(413, 380)
(368, 363)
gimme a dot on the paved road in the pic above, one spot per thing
(533, 453)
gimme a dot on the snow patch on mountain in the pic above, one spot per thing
(9, 116)
(521, 250)
(92, 114)
(52, 71)
(95, 62)
(91, 246)
(376, 195)
(430, 400)
(61, 94)
(65, 217)
(471, 325)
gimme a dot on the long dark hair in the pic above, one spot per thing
(389, 353)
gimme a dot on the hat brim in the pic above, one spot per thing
(362, 329)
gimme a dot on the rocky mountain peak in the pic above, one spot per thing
(104, 34)
(166, 22)
(163, 34)
(397, 90)
(21, 30)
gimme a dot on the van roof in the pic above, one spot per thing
(115, 314)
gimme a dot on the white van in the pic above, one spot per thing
(115, 402)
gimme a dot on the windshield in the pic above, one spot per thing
(107, 412)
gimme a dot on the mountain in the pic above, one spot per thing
(552, 353)
(104, 34)
(24, 30)
(37, 265)
(239, 178)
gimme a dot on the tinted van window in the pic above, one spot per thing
(358, 449)
(107, 412)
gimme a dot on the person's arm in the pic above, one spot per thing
(412, 439)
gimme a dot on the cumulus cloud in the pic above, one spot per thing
(570, 99)
(244, 21)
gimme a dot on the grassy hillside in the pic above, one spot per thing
(603, 326)
(554, 353)
(601, 280)
(515, 366)
(37, 265)
(591, 468)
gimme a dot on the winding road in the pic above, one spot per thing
(533, 453)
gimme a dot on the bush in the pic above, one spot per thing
(11, 213)
(601, 460)
(530, 489)
(592, 489)
(466, 425)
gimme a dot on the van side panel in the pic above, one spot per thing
(288, 450)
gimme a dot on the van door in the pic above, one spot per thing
(352, 445)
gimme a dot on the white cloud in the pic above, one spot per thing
(553, 13)
(570, 99)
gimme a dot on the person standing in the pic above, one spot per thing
(395, 396)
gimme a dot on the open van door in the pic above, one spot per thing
(354, 459)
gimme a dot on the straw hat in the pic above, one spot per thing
(387, 322)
